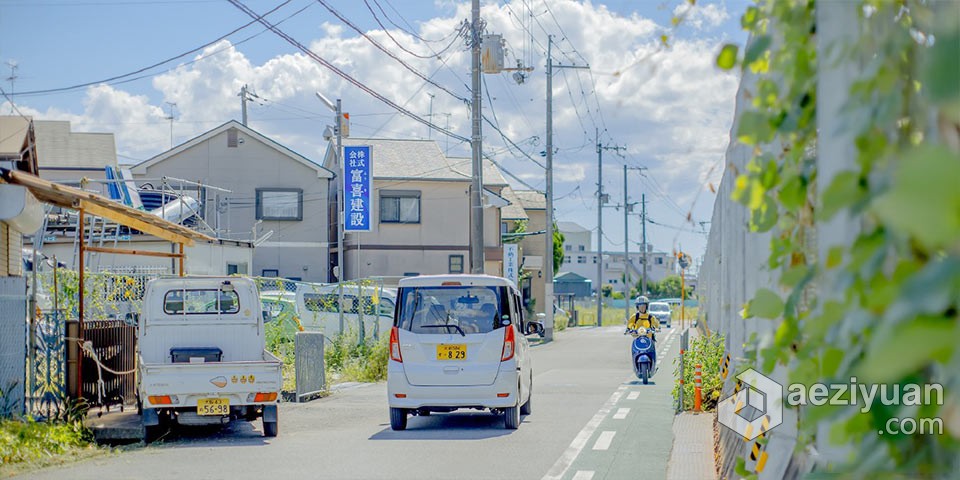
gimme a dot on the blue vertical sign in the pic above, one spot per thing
(357, 188)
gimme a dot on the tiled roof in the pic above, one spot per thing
(515, 210)
(532, 200)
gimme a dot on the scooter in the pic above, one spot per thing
(644, 354)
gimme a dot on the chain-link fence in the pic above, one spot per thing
(13, 314)
(292, 306)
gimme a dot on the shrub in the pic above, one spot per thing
(707, 350)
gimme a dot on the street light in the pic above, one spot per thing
(337, 159)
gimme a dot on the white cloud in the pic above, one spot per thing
(670, 107)
(701, 16)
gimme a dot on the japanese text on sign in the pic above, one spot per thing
(357, 188)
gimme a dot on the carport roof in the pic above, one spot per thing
(76, 199)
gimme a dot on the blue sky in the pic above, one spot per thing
(669, 106)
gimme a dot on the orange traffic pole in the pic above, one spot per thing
(697, 389)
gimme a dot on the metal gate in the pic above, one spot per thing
(109, 364)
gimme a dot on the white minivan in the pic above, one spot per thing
(458, 342)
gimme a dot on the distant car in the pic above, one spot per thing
(458, 343)
(661, 310)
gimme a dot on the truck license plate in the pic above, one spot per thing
(452, 352)
(213, 406)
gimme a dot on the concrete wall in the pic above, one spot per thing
(297, 248)
(735, 262)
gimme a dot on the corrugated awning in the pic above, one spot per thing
(76, 199)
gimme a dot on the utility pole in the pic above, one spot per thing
(643, 218)
(599, 231)
(476, 143)
(627, 208)
(243, 104)
(430, 130)
(548, 253)
(601, 199)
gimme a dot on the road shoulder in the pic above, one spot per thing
(692, 455)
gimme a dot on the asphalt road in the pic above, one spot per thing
(591, 419)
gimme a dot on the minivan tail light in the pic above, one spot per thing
(395, 345)
(509, 340)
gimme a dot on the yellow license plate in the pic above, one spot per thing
(452, 352)
(213, 406)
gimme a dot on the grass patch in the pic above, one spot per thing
(27, 445)
(348, 360)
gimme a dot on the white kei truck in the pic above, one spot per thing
(201, 355)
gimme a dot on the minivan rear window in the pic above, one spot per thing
(470, 309)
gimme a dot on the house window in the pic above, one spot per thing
(270, 273)
(566, 259)
(400, 206)
(581, 259)
(580, 248)
(567, 247)
(456, 263)
(659, 260)
(232, 137)
(236, 269)
(280, 204)
(594, 259)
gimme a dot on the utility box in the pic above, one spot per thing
(491, 53)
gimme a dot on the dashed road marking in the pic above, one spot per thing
(583, 475)
(573, 451)
(604, 440)
(633, 395)
(621, 413)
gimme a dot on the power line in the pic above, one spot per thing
(389, 53)
(341, 73)
(389, 35)
(168, 60)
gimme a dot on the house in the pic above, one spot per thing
(67, 157)
(580, 258)
(569, 283)
(266, 193)
(20, 212)
(533, 248)
(420, 213)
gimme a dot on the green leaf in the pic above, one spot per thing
(835, 256)
(765, 304)
(754, 128)
(844, 190)
(931, 339)
(793, 193)
(749, 18)
(794, 275)
(763, 218)
(941, 71)
(727, 57)
(925, 199)
(755, 50)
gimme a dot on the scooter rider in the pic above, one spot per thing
(642, 318)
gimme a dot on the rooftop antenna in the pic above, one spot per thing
(12, 79)
(171, 117)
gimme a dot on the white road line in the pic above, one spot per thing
(621, 413)
(573, 451)
(604, 440)
(583, 475)
(633, 395)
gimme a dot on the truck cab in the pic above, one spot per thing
(202, 357)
